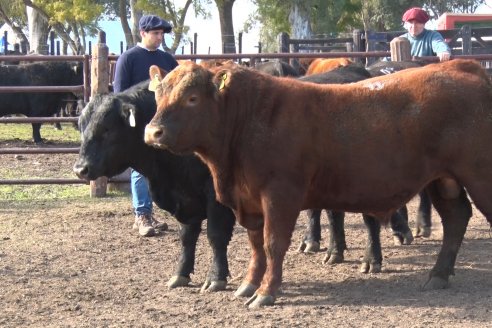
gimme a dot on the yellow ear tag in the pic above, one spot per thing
(222, 83)
(154, 83)
(131, 119)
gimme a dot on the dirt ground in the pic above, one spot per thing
(77, 263)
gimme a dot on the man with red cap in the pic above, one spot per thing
(423, 42)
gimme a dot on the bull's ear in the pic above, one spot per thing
(156, 75)
(221, 79)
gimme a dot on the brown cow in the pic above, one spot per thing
(371, 145)
(321, 65)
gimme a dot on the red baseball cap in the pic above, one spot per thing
(417, 14)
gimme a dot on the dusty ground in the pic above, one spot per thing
(77, 263)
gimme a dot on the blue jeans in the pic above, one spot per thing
(141, 199)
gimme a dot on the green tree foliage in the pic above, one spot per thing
(332, 17)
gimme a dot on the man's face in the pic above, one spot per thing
(414, 28)
(152, 39)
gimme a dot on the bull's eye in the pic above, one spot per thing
(192, 100)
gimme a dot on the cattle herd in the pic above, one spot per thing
(227, 143)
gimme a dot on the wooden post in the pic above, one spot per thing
(357, 41)
(466, 39)
(195, 42)
(99, 85)
(283, 44)
(400, 49)
(52, 43)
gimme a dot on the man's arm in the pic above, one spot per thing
(121, 76)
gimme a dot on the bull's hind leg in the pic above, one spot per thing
(336, 240)
(311, 241)
(256, 267)
(453, 206)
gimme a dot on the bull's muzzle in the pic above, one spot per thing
(153, 135)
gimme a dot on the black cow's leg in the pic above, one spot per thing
(455, 213)
(336, 242)
(312, 237)
(219, 232)
(36, 134)
(188, 234)
(402, 235)
(424, 223)
(373, 257)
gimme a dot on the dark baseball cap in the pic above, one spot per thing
(152, 22)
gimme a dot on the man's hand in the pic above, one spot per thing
(443, 56)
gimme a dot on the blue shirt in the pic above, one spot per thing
(133, 66)
(427, 43)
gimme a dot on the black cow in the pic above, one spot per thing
(276, 68)
(112, 130)
(37, 104)
(387, 67)
(399, 220)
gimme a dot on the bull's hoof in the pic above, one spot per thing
(246, 290)
(178, 281)
(213, 286)
(403, 239)
(257, 301)
(333, 258)
(423, 232)
(370, 267)
(435, 283)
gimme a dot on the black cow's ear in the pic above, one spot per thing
(130, 115)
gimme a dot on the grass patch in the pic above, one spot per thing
(49, 192)
(23, 132)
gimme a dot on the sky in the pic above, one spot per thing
(208, 31)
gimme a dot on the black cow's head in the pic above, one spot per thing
(112, 128)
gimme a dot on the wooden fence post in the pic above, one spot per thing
(99, 85)
(400, 49)
(283, 44)
(466, 39)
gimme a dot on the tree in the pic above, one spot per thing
(226, 25)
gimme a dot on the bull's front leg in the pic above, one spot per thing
(373, 256)
(280, 219)
(188, 234)
(256, 267)
(219, 232)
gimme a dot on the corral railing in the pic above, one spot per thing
(104, 61)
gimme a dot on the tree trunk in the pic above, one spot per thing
(136, 14)
(124, 24)
(226, 25)
(299, 21)
(38, 32)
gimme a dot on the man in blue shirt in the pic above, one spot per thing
(423, 42)
(132, 67)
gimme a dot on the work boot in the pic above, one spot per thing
(144, 225)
